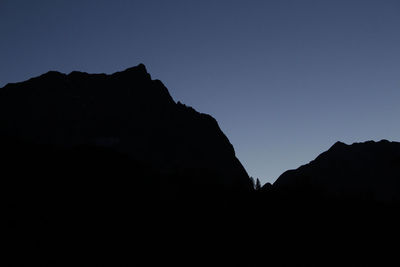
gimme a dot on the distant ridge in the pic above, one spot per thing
(361, 170)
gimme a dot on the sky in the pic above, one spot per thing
(284, 79)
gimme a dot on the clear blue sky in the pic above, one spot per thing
(284, 79)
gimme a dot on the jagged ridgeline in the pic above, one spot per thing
(126, 113)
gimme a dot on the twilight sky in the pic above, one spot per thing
(284, 79)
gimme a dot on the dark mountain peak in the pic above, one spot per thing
(336, 148)
(338, 145)
(136, 72)
(126, 111)
(139, 69)
(142, 67)
(52, 74)
(79, 74)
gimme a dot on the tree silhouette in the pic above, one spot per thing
(258, 184)
(252, 182)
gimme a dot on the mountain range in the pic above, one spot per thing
(109, 170)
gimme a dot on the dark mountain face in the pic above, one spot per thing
(127, 112)
(367, 171)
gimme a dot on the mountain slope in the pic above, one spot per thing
(127, 112)
(369, 170)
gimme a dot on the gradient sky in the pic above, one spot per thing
(284, 79)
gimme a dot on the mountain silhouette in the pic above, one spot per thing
(369, 170)
(127, 112)
(107, 170)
